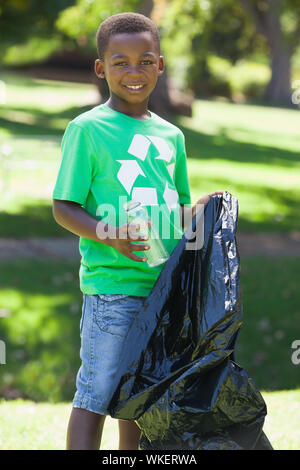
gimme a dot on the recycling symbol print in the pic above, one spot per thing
(130, 170)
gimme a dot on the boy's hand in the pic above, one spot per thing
(205, 199)
(122, 242)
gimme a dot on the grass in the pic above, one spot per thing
(271, 315)
(251, 151)
(254, 154)
(41, 426)
(41, 306)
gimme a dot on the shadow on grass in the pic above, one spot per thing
(284, 221)
(198, 144)
(40, 128)
(220, 146)
(39, 121)
(42, 352)
(37, 113)
(43, 304)
(36, 220)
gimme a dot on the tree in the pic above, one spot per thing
(198, 29)
(279, 22)
(22, 19)
(234, 30)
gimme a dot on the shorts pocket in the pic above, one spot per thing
(115, 316)
(112, 297)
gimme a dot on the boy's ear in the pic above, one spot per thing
(99, 68)
(161, 65)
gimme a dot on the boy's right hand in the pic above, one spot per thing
(122, 242)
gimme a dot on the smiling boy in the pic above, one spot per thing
(117, 151)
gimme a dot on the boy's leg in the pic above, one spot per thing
(105, 321)
(84, 430)
(129, 435)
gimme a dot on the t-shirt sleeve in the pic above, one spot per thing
(181, 173)
(76, 167)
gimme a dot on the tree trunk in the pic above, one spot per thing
(279, 89)
(268, 23)
(159, 101)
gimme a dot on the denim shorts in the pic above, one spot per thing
(104, 324)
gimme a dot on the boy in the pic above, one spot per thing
(115, 151)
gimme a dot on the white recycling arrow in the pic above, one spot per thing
(128, 173)
(139, 146)
(170, 169)
(130, 170)
(165, 153)
(146, 196)
(171, 197)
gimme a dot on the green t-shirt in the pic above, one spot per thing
(109, 158)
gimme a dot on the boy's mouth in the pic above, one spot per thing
(135, 88)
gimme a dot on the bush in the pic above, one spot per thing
(245, 77)
(249, 78)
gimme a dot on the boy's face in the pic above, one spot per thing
(131, 59)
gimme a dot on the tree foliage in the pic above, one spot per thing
(234, 30)
(82, 20)
(22, 19)
(191, 31)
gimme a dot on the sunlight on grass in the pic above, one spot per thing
(40, 426)
(40, 308)
(282, 422)
(247, 123)
(262, 190)
(250, 151)
(22, 306)
(50, 95)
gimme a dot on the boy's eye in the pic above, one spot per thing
(143, 61)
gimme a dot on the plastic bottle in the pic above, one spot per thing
(137, 214)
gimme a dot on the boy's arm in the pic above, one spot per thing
(74, 218)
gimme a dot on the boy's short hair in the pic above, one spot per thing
(127, 22)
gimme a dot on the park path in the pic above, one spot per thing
(249, 244)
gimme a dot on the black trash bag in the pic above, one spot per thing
(178, 378)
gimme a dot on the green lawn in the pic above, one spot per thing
(40, 426)
(251, 151)
(254, 153)
(41, 306)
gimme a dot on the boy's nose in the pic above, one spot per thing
(134, 70)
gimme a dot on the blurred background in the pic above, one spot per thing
(232, 84)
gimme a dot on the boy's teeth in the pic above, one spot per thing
(134, 87)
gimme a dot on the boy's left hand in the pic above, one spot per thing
(205, 199)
